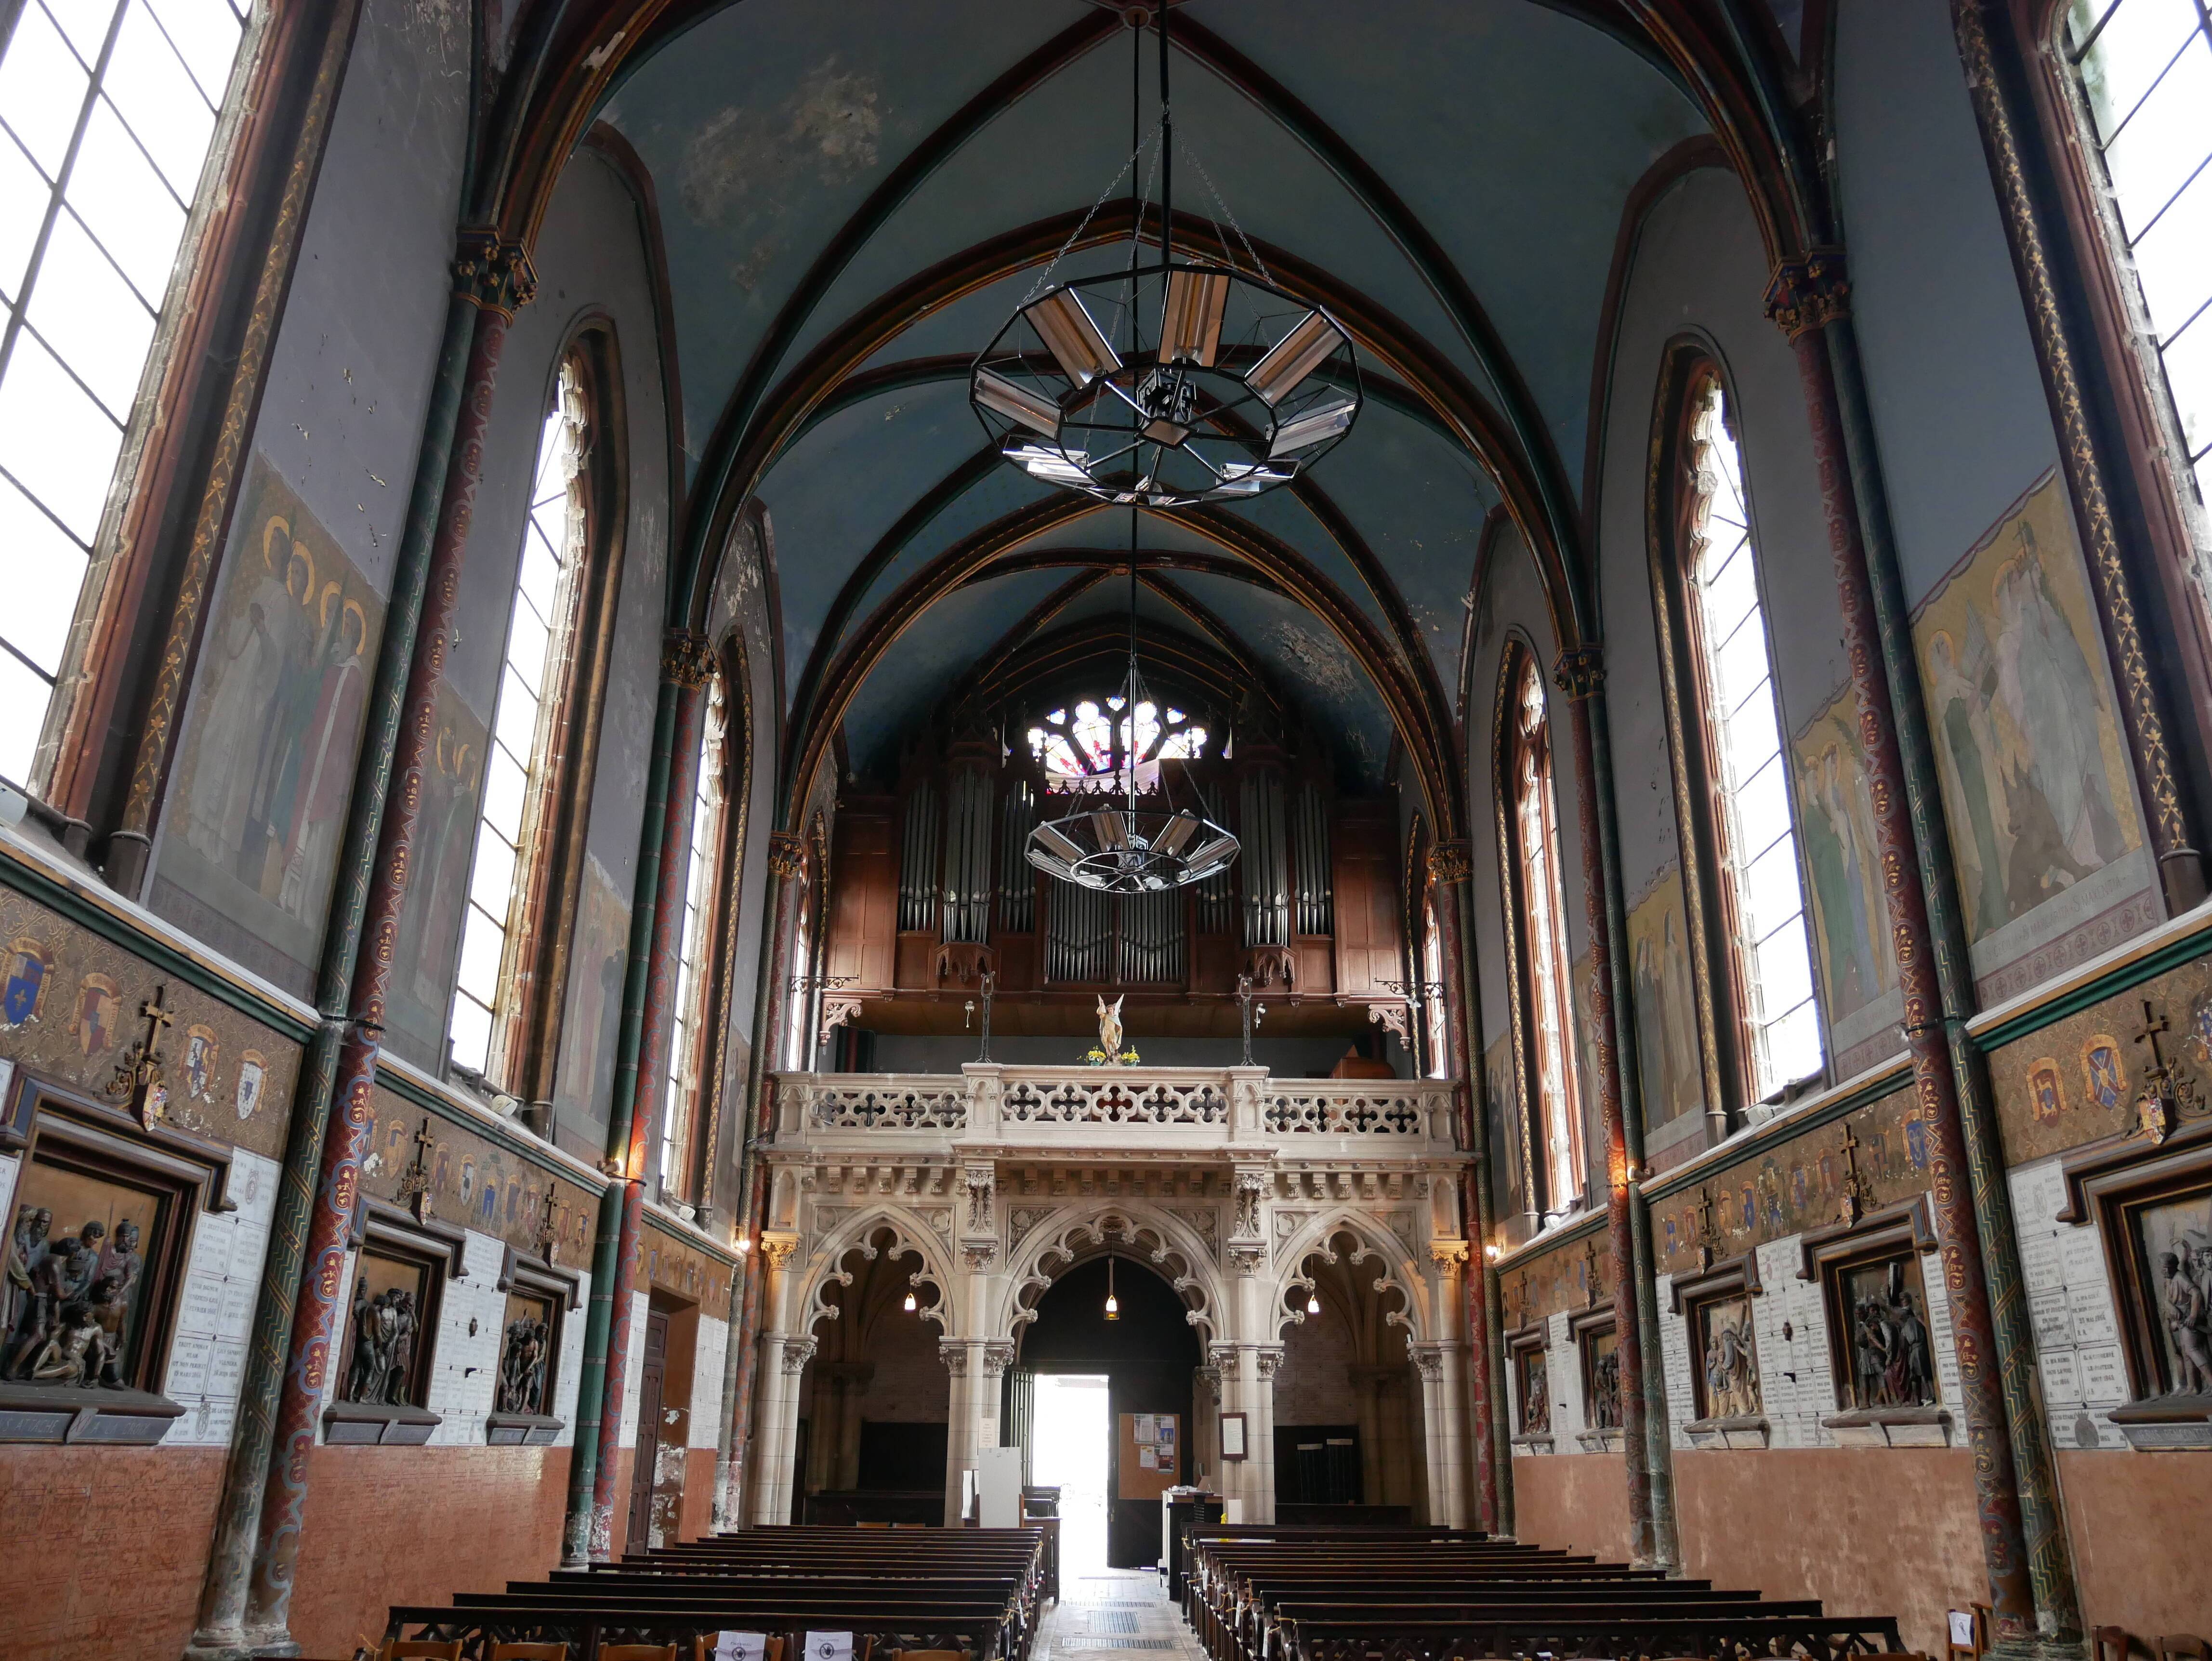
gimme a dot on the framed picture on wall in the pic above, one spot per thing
(2151, 1201)
(1881, 1337)
(1598, 1346)
(1232, 1436)
(1716, 1307)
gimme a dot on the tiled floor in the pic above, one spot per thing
(1108, 1611)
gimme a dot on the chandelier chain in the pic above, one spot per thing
(1076, 235)
(1190, 155)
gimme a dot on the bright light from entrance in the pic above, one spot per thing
(1070, 1453)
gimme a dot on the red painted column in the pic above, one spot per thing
(1450, 867)
(1807, 294)
(686, 663)
(1579, 674)
(495, 277)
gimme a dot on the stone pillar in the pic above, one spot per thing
(784, 1356)
(1264, 1360)
(1580, 674)
(1205, 1432)
(1441, 1367)
(963, 1429)
(1808, 295)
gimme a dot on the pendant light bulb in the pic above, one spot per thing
(1313, 1303)
(1113, 1304)
(910, 1305)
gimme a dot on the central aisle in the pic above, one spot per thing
(1108, 1610)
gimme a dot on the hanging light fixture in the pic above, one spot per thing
(1124, 849)
(910, 1305)
(1113, 1304)
(1223, 386)
(1313, 1302)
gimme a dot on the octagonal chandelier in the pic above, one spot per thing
(1168, 384)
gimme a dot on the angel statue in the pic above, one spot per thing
(1109, 1029)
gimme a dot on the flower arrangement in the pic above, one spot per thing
(1098, 1057)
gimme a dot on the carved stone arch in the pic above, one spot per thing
(825, 1263)
(1049, 1247)
(1397, 1269)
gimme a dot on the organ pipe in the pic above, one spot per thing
(1265, 858)
(1309, 862)
(917, 908)
(1017, 879)
(968, 832)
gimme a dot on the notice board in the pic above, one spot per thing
(1150, 1453)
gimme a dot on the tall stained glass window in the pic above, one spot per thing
(691, 1049)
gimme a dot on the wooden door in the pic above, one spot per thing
(649, 1430)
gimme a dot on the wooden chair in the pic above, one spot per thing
(2180, 1648)
(509, 1650)
(927, 1655)
(702, 1647)
(628, 1652)
(420, 1649)
(1975, 1617)
(2112, 1644)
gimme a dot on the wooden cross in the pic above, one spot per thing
(1589, 1267)
(157, 1017)
(1855, 1186)
(2153, 1026)
(415, 1181)
(1706, 1234)
(548, 1235)
(2165, 1092)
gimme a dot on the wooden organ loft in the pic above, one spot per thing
(929, 888)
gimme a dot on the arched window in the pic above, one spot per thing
(1548, 1066)
(691, 1051)
(1436, 1013)
(2144, 69)
(1735, 740)
(106, 113)
(520, 786)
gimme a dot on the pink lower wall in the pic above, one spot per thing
(2142, 1528)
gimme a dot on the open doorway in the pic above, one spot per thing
(1069, 1453)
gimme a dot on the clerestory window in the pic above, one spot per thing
(1761, 895)
(519, 783)
(691, 1051)
(107, 111)
(1549, 1065)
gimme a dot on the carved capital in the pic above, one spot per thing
(686, 657)
(997, 1356)
(787, 854)
(1247, 1260)
(1580, 671)
(1266, 1358)
(1451, 862)
(492, 275)
(979, 1255)
(797, 1353)
(1448, 1256)
(776, 1249)
(1429, 1363)
(953, 1352)
(1209, 1383)
(1809, 292)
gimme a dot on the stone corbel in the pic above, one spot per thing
(1248, 1258)
(1209, 1385)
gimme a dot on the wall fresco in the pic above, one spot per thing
(256, 805)
(597, 961)
(2035, 776)
(1843, 858)
(1790, 1189)
(68, 1011)
(1667, 1064)
(475, 1183)
(672, 1264)
(2081, 1078)
(437, 896)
